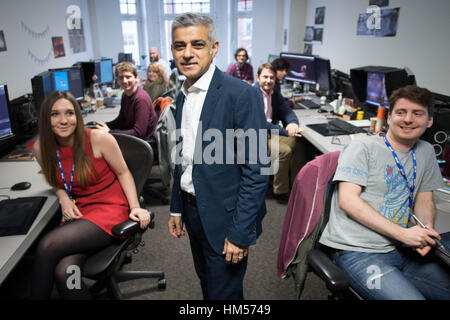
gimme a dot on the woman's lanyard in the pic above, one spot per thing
(67, 187)
(403, 173)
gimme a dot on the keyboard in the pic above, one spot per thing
(309, 104)
(339, 126)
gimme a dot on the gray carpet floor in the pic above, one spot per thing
(173, 256)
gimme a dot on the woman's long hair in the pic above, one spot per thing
(48, 143)
(159, 69)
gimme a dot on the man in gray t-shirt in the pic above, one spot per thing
(371, 207)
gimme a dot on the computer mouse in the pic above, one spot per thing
(21, 186)
(91, 124)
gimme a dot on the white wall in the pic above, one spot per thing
(27, 54)
(422, 42)
(107, 38)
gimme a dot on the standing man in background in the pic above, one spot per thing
(155, 57)
(221, 205)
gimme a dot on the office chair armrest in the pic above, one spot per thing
(130, 227)
(334, 277)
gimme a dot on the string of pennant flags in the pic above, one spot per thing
(39, 60)
(34, 34)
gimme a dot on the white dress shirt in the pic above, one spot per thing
(194, 97)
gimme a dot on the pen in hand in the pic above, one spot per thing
(438, 242)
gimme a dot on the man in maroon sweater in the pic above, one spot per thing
(137, 117)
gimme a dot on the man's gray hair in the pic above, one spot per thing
(191, 19)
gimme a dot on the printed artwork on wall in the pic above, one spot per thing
(307, 49)
(2, 41)
(76, 39)
(380, 3)
(382, 23)
(318, 34)
(309, 33)
(58, 47)
(320, 15)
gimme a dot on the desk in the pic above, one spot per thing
(12, 248)
(102, 115)
(324, 144)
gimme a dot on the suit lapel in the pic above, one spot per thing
(211, 99)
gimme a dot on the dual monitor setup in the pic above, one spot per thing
(74, 79)
(368, 86)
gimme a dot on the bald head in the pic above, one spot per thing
(154, 54)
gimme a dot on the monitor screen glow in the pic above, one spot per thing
(302, 68)
(61, 80)
(376, 89)
(5, 121)
(106, 71)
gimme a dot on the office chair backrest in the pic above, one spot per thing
(139, 157)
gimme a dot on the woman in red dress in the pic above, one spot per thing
(94, 187)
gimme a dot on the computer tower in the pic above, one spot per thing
(439, 134)
(24, 118)
(41, 85)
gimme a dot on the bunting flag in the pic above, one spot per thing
(39, 60)
(34, 34)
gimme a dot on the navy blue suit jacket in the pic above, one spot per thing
(281, 111)
(230, 196)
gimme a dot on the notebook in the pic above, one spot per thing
(17, 215)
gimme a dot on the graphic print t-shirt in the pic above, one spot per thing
(370, 164)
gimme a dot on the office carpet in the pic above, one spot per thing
(173, 256)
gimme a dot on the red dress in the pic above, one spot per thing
(103, 201)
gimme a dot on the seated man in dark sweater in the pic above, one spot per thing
(137, 117)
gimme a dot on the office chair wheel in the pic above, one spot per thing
(162, 284)
(128, 259)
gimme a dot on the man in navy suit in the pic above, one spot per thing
(221, 202)
(291, 149)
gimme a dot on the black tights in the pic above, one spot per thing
(65, 246)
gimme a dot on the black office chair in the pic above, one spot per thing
(320, 261)
(106, 265)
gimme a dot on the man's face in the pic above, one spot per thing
(266, 80)
(241, 57)
(154, 55)
(128, 82)
(281, 74)
(408, 121)
(192, 51)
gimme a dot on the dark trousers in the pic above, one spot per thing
(219, 280)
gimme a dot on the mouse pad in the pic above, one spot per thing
(17, 215)
(324, 129)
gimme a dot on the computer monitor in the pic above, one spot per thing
(376, 89)
(7, 138)
(76, 82)
(125, 57)
(323, 74)
(5, 121)
(383, 81)
(103, 69)
(60, 80)
(302, 67)
(106, 71)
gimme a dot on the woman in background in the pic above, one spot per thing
(157, 81)
(94, 187)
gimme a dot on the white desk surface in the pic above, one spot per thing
(12, 248)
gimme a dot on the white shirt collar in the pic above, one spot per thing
(203, 82)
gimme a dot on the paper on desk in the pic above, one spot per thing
(360, 123)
